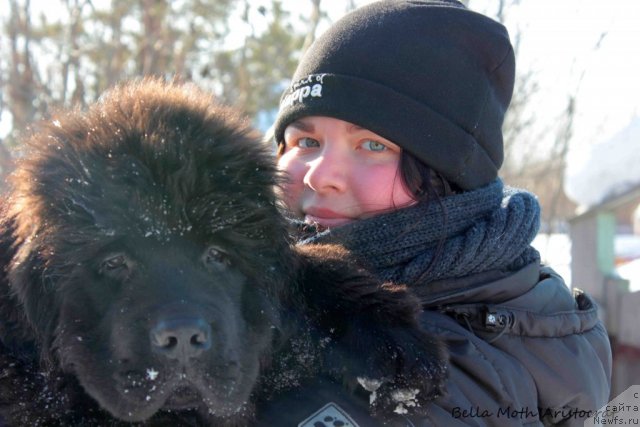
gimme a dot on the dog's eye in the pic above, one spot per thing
(214, 255)
(114, 262)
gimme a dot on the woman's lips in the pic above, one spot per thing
(325, 217)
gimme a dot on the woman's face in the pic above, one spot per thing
(339, 172)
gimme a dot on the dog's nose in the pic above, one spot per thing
(181, 339)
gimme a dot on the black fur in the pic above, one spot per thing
(147, 276)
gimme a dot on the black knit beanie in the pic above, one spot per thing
(431, 76)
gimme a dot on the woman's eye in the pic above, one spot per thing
(374, 145)
(308, 143)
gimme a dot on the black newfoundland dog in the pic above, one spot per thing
(147, 277)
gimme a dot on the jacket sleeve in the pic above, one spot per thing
(552, 367)
(565, 348)
(485, 387)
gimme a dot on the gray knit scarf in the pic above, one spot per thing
(490, 228)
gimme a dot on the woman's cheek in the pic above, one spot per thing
(401, 196)
(389, 191)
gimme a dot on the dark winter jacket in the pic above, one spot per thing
(525, 350)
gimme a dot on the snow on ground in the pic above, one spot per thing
(631, 272)
(627, 249)
(555, 251)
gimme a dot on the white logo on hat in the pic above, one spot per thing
(303, 88)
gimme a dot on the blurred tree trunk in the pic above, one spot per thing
(112, 53)
(154, 46)
(558, 165)
(6, 164)
(314, 20)
(22, 85)
(72, 63)
(244, 84)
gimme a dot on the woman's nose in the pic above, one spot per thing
(328, 171)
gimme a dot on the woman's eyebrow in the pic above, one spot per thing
(302, 125)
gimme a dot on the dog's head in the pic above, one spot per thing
(150, 250)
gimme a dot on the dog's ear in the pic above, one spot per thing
(378, 343)
(15, 333)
